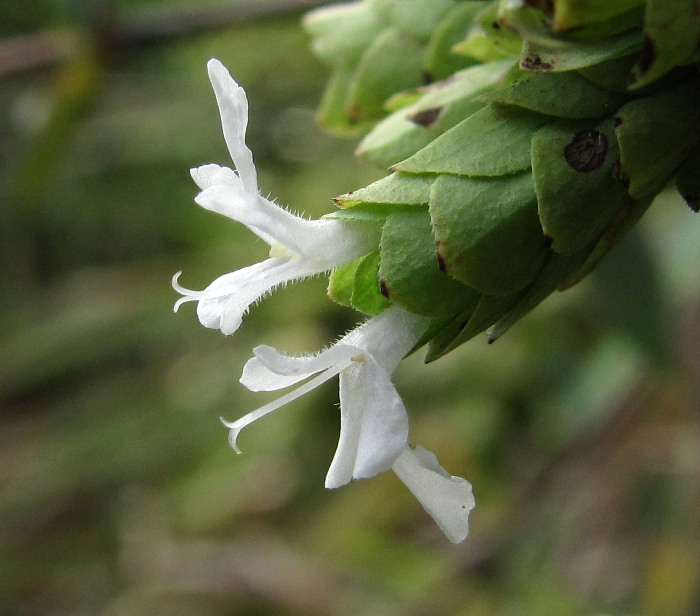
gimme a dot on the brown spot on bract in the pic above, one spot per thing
(617, 120)
(587, 150)
(356, 113)
(427, 78)
(647, 55)
(383, 289)
(534, 63)
(427, 117)
(619, 174)
(441, 261)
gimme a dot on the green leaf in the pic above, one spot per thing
(491, 142)
(656, 132)
(340, 34)
(441, 106)
(365, 212)
(548, 280)
(526, 19)
(467, 325)
(366, 294)
(341, 282)
(444, 334)
(487, 40)
(613, 75)
(409, 271)
(572, 56)
(553, 21)
(625, 21)
(487, 231)
(628, 216)
(671, 37)
(440, 60)
(570, 14)
(564, 95)
(417, 18)
(393, 62)
(578, 196)
(395, 189)
(332, 115)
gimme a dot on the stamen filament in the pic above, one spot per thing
(246, 420)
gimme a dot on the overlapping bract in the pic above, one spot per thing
(376, 48)
(512, 180)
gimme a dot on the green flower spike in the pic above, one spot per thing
(377, 48)
(514, 183)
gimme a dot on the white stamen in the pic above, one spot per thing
(236, 426)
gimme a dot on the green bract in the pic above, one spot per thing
(377, 48)
(556, 125)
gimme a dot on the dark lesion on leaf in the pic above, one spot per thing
(356, 114)
(534, 63)
(647, 55)
(440, 259)
(383, 288)
(587, 150)
(427, 117)
(620, 174)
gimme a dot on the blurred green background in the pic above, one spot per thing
(119, 494)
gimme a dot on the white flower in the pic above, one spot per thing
(374, 422)
(299, 248)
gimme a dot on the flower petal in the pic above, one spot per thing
(326, 241)
(233, 109)
(301, 367)
(373, 424)
(206, 176)
(388, 336)
(352, 405)
(224, 302)
(271, 370)
(446, 498)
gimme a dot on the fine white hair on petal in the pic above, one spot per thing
(448, 499)
(233, 109)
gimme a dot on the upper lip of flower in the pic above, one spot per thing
(299, 247)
